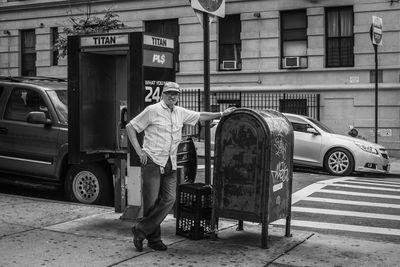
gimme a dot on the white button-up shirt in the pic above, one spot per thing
(163, 130)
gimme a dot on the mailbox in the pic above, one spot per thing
(253, 168)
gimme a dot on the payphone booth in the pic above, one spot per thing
(112, 78)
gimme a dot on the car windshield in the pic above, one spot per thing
(321, 125)
(59, 100)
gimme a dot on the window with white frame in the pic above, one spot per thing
(339, 37)
(230, 45)
(294, 38)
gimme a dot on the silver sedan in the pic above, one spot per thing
(317, 145)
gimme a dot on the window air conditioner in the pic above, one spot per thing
(229, 65)
(291, 62)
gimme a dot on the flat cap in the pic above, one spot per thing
(171, 87)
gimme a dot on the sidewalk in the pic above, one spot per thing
(37, 232)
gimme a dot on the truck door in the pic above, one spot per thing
(26, 147)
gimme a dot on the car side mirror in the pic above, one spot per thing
(38, 117)
(312, 131)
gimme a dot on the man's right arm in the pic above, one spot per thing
(132, 135)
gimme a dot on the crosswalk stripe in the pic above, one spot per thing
(352, 202)
(378, 185)
(366, 187)
(350, 193)
(341, 227)
(347, 213)
(315, 187)
(376, 180)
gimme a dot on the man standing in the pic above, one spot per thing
(162, 125)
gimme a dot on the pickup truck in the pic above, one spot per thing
(34, 142)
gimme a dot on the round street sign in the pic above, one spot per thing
(211, 5)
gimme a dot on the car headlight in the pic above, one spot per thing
(367, 148)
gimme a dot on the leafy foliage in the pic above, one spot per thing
(89, 24)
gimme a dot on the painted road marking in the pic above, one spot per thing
(340, 227)
(319, 187)
(352, 202)
(338, 192)
(312, 188)
(367, 187)
(375, 181)
(379, 216)
(376, 185)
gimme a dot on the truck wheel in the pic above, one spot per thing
(89, 184)
(339, 162)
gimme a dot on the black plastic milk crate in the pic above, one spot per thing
(194, 211)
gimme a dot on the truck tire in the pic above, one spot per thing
(89, 184)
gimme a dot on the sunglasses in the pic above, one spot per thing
(172, 93)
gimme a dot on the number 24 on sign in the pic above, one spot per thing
(153, 94)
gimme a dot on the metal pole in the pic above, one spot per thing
(376, 93)
(207, 145)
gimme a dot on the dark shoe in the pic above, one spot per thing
(138, 237)
(159, 245)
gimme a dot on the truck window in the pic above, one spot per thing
(21, 102)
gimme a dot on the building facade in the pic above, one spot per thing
(302, 46)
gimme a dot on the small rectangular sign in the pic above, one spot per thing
(105, 40)
(354, 79)
(385, 132)
(159, 59)
(158, 41)
(382, 132)
(377, 26)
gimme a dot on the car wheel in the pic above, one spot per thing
(339, 162)
(89, 184)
